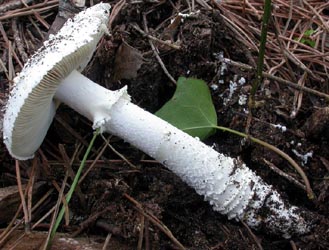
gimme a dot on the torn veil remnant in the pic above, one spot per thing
(227, 184)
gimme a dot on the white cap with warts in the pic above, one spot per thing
(30, 108)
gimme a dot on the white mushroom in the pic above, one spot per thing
(31, 108)
(229, 186)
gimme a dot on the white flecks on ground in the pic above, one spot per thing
(220, 56)
(293, 114)
(188, 15)
(242, 99)
(304, 157)
(232, 87)
(242, 81)
(281, 127)
(245, 110)
(223, 68)
(214, 87)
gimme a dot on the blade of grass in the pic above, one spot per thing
(263, 37)
(73, 186)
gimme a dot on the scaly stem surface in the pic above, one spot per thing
(226, 183)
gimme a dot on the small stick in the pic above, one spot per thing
(10, 49)
(46, 167)
(298, 97)
(93, 163)
(41, 20)
(254, 10)
(283, 174)
(141, 232)
(30, 188)
(56, 209)
(316, 13)
(204, 4)
(11, 226)
(49, 212)
(90, 220)
(28, 12)
(20, 190)
(293, 245)
(147, 234)
(37, 28)
(172, 45)
(18, 41)
(35, 6)
(157, 55)
(254, 237)
(13, 5)
(154, 220)
(118, 153)
(3, 66)
(71, 131)
(115, 11)
(32, 42)
(107, 241)
(68, 166)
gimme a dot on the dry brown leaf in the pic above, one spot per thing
(128, 61)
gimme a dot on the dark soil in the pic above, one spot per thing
(192, 221)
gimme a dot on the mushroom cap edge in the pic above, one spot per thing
(30, 108)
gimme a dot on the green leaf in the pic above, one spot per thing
(308, 42)
(306, 38)
(191, 108)
(309, 32)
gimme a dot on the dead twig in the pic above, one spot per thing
(169, 44)
(285, 175)
(36, 8)
(154, 220)
(93, 163)
(91, 220)
(253, 236)
(141, 232)
(18, 41)
(56, 208)
(40, 202)
(107, 241)
(13, 4)
(23, 201)
(28, 12)
(11, 52)
(68, 167)
(157, 54)
(11, 226)
(118, 153)
(30, 186)
(298, 97)
(72, 131)
(115, 11)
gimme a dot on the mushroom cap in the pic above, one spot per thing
(30, 108)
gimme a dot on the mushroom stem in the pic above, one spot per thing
(227, 184)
